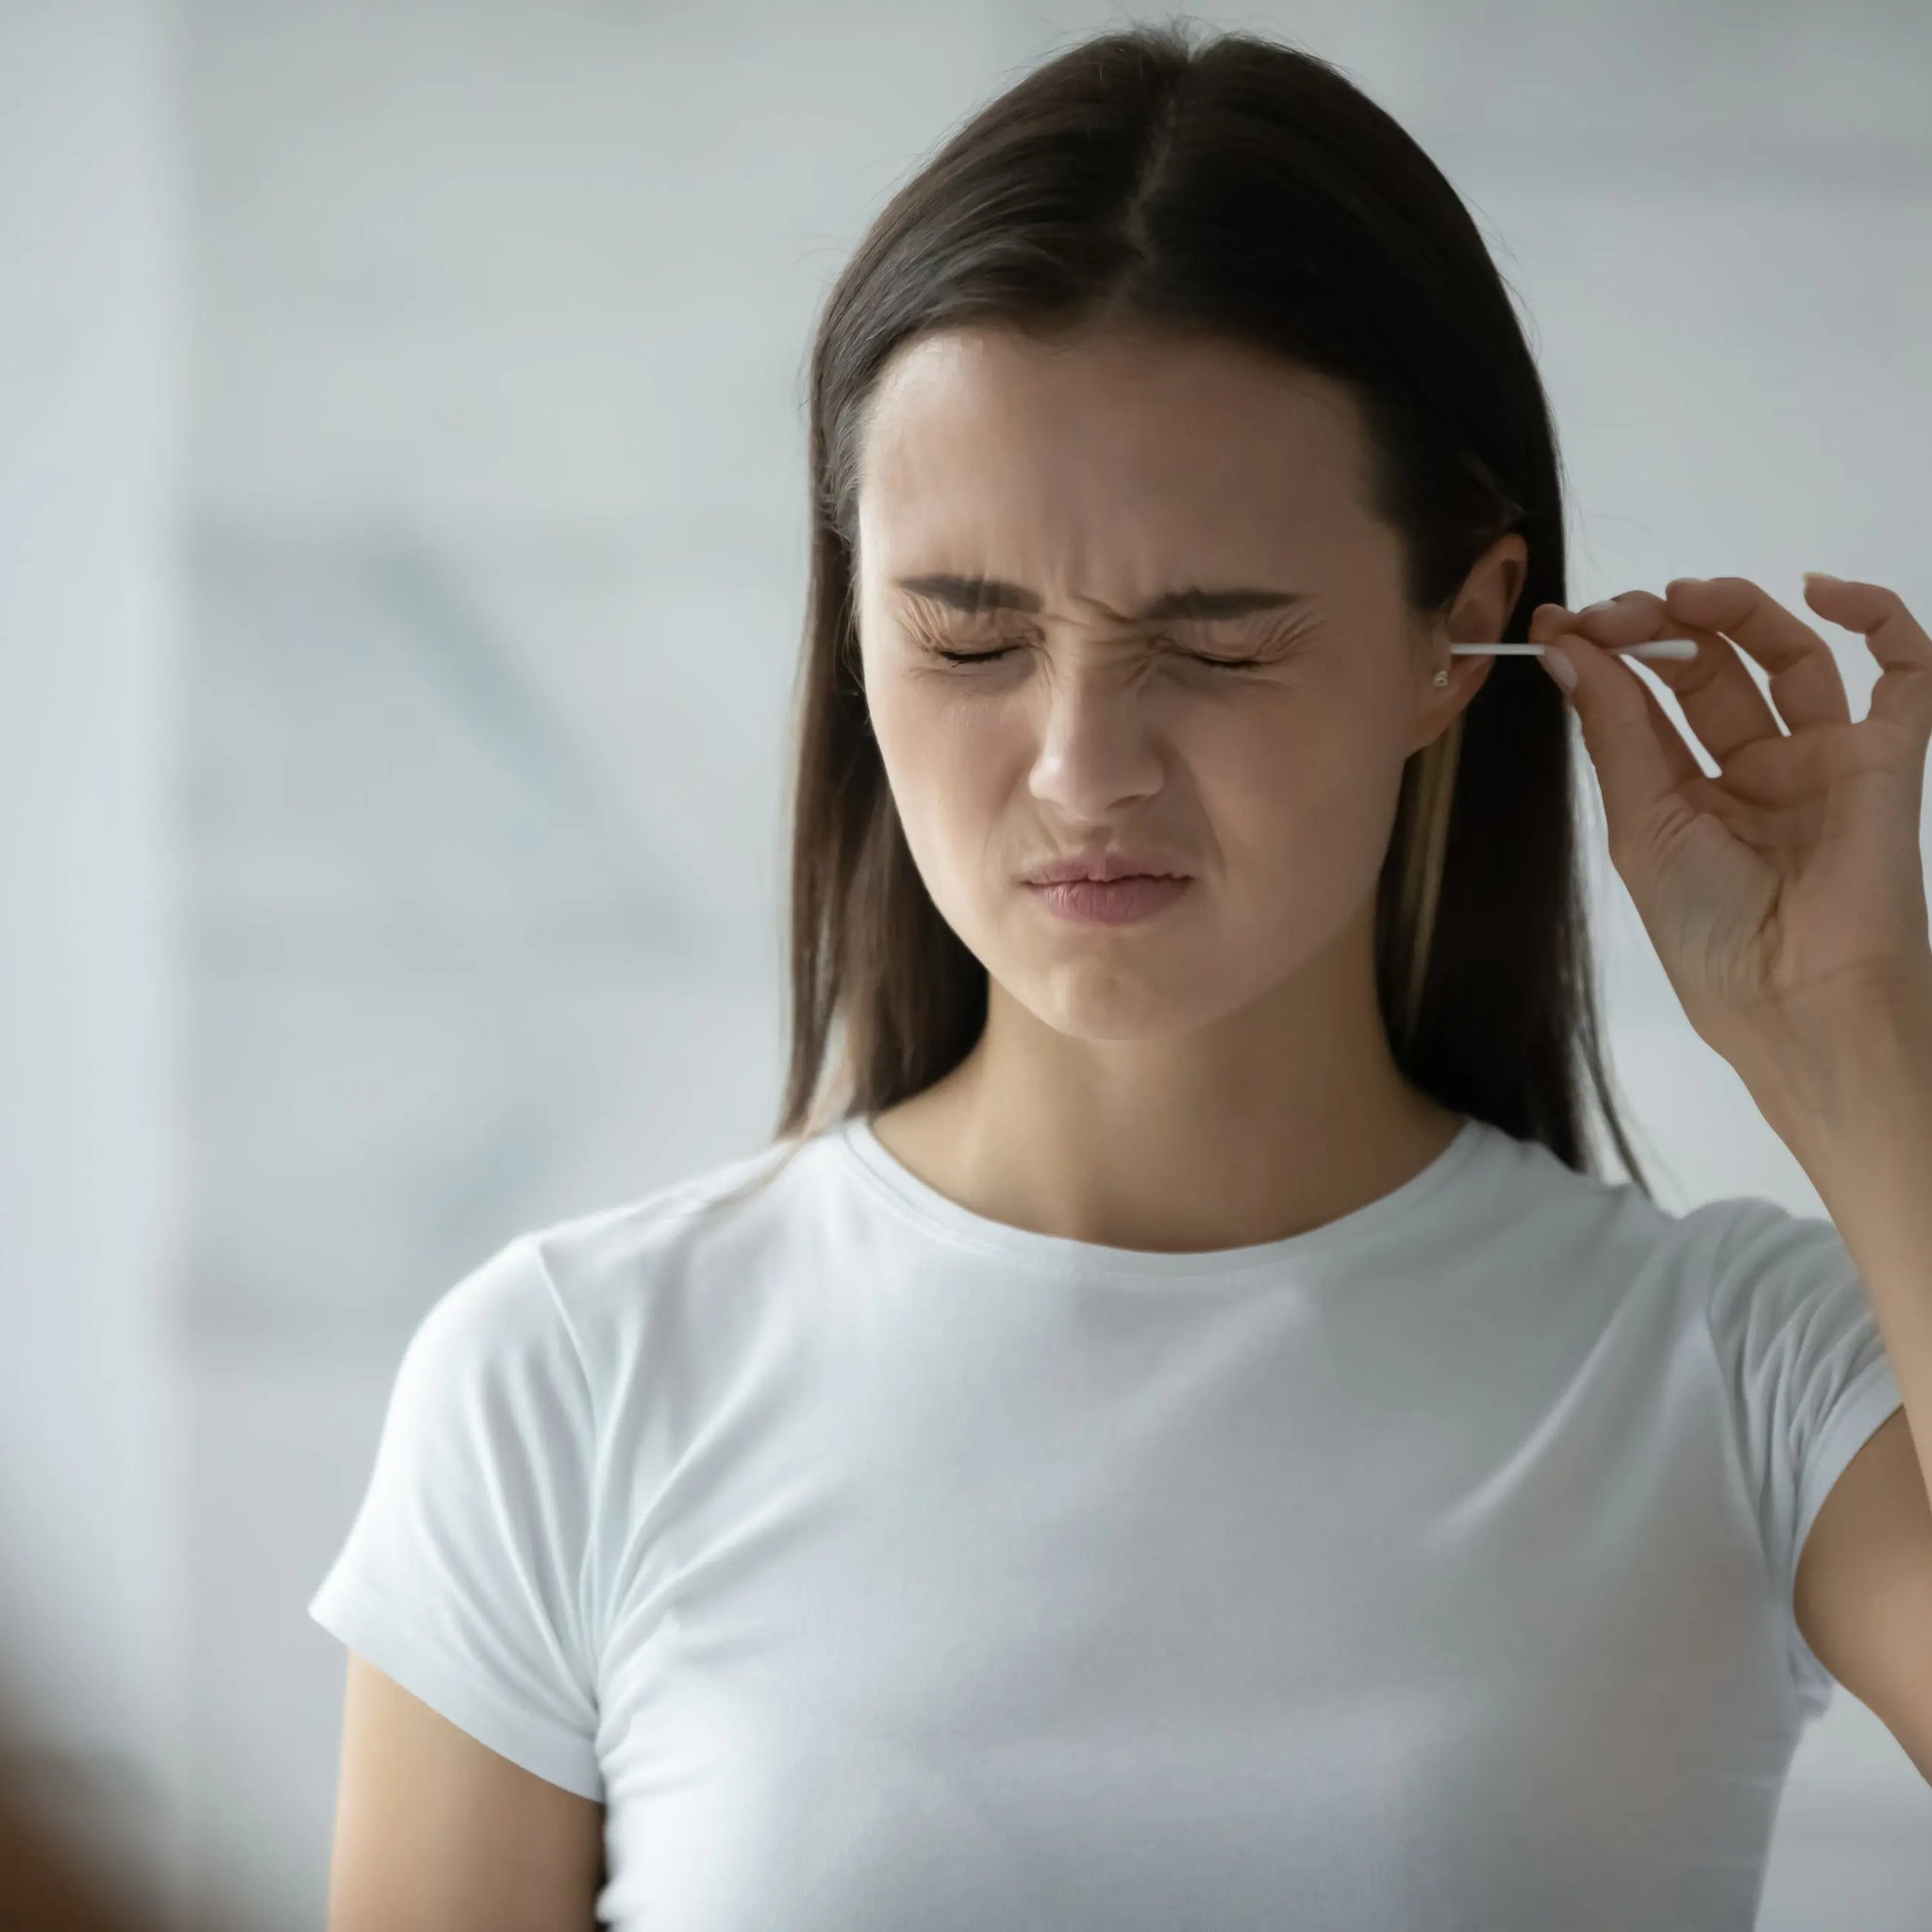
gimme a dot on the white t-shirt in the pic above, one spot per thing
(878, 1565)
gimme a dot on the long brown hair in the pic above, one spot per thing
(1242, 190)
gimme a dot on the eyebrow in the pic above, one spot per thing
(976, 594)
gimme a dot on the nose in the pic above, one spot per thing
(1098, 747)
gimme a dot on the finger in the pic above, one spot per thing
(1803, 674)
(1638, 766)
(1685, 773)
(1721, 702)
(1902, 695)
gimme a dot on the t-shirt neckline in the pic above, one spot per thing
(940, 1215)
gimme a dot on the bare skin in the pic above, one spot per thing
(435, 1832)
(1217, 1074)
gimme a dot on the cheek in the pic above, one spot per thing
(930, 738)
(943, 762)
(1307, 793)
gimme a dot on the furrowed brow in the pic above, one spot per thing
(976, 595)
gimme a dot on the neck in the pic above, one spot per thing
(1250, 1130)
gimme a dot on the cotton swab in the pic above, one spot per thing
(1660, 647)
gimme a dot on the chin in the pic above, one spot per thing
(1111, 1005)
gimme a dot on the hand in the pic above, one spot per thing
(1786, 896)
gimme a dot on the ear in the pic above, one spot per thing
(1491, 590)
(1442, 705)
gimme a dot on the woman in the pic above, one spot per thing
(1174, 1433)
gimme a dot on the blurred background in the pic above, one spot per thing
(402, 516)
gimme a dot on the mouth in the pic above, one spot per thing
(1106, 870)
(1111, 902)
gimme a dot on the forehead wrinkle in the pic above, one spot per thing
(977, 594)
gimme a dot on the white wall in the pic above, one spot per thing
(92, 1135)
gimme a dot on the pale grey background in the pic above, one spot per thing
(401, 572)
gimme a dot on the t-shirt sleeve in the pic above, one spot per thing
(466, 1572)
(1804, 1363)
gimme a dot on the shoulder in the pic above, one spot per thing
(1537, 1173)
(1742, 1265)
(559, 1302)
(1726, 1261)
(1762, 1266)
(1577, 1223)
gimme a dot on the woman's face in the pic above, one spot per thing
(1257, 749)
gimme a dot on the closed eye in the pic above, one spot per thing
(1007, 650)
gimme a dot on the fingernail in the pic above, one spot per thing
(1559, 666)
(1821, 576)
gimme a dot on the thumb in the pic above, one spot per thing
(1562, 671)
(1638, 754)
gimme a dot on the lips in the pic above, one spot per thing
(1111, 902)
(1102, 867)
